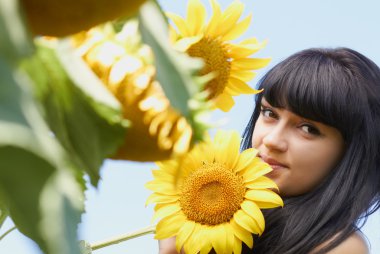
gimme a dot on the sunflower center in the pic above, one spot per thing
(212, 194)
(214, 54)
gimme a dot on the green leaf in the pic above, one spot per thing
(173, 77)
(61, 205)
(81, 112)
(22, 178)
(3, 212)
(176, 72)
(14, 37)
(34, 171)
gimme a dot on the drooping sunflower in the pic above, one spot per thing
(211, 41)
(125, 66)
(62, 18)
(215, 201)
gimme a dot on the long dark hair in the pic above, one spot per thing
(341, 88)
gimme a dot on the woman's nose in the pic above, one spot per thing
(275, 139)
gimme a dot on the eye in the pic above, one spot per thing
(267, 112)
(310, 129)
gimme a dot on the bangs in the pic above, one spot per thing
(314, 86)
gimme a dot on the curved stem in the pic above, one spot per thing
(125, 237)
(7, 232)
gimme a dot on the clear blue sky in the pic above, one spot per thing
(117, 206)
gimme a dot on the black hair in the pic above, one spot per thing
(341, 88)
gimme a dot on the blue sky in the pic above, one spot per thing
(117, 206)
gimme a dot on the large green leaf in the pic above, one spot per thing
(176, 72)
(81, 112)
(14, 38)
(3, 212)
(61, 203)
(44, 202)
(35, 171)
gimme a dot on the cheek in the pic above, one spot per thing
(255, 140)
(311, 166)
(257, 135)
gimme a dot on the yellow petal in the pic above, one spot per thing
(184, 233)
(254, 211)
(206, 248)
(173, 35)
(227, 145)
(160, 175)
(196, 16)
(160, 205)
(240, 87)
(218, 237)
(250, 41)
(183, 142)
(193, 161)
(159, 198)
(245, 159)
(262, 182)
(162, 187)
(191, 245)
(213, 25)
(203, 240)
(169, 166)
(249, 63)
(238, 29)
(237, 246)
(224, 102)
(230, 17)
(246, 221)
(185, 43)
(241, 233)
(256, 169)
(244, 50)
(180, 23)
(230, 240)
(264, 198)
(243, 75)
(166, 211)
(169, 226)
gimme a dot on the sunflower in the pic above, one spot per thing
(125, 66)
(62, 18)
(215, 202)
(212, 42)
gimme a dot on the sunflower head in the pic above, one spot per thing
(125, 66)
(62, 18)
(211, 41)
(215, 202)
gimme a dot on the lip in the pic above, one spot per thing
(272, 162)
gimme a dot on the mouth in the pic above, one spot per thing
(272, 162)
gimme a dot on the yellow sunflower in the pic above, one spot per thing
(62, 18)
(215, 202)
(124, 64)
(212, 42)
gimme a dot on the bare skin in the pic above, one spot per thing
(354, 244)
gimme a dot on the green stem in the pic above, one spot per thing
(125, 237)
(7, 232)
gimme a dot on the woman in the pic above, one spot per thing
(317, 123)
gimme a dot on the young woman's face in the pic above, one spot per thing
(301, 152)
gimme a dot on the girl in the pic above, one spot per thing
(317, 123)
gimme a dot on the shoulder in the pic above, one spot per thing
(354, 244)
